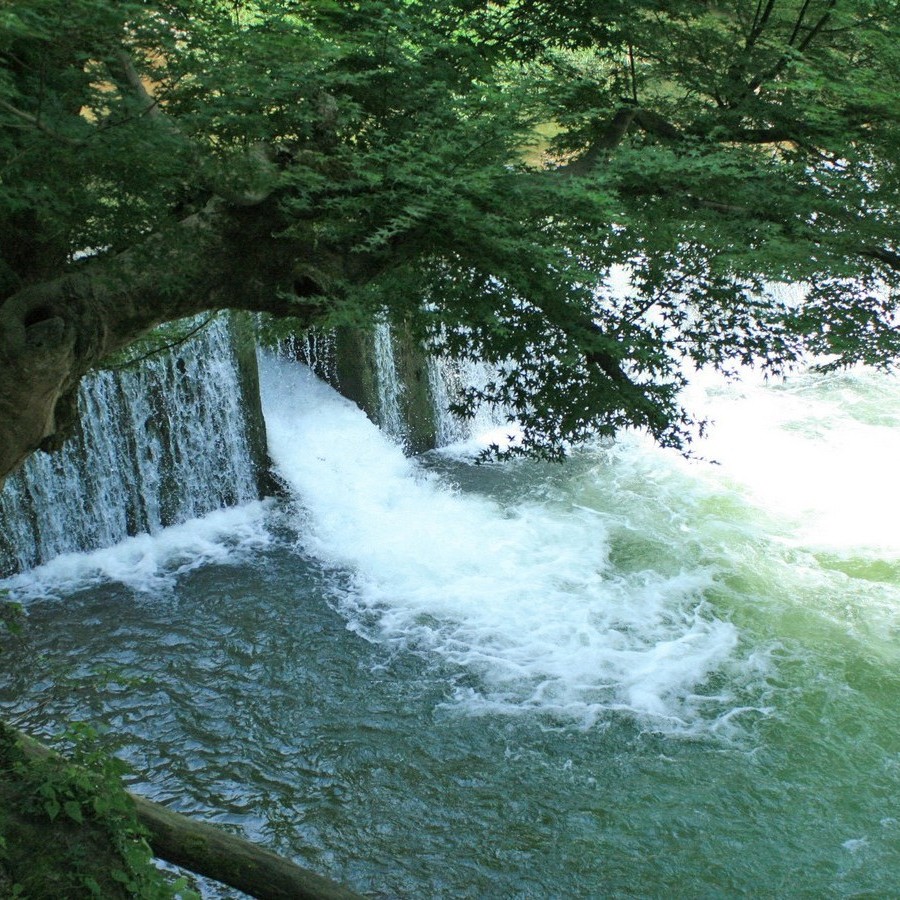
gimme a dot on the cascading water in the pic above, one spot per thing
(316, 349)
(447, 378)
(629, 675)
(370, 377)
(389, 386)
(158, 444)
(405, 391)
(520, 595)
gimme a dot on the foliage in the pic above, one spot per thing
(701, 153)
(67, 827)
(161, 340)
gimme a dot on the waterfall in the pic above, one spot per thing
(382, 372)
(407, 391)
(156, 445)
(173, 439)
(315, 348)
(389, 385)
(393, 378)
(627, 650)
(448, 378)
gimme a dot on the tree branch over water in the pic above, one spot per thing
(198, 847)
(276, 163)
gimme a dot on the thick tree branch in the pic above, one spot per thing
(889, 257)
(627, 118)
(614, 132)
(266, 173)
(224, 257)
(760, 20)
(799, 23)
(817, 28)
(52, 333)
(779, 135)
(611, 136)
(782, 62)
(135, 82)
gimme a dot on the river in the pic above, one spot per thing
(632, 675)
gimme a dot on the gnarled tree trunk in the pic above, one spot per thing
(54, 332)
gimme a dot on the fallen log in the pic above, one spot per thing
(231, 860)
(206, 850)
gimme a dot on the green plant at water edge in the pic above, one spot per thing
(67, 827)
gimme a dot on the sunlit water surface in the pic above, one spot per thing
(630, 676)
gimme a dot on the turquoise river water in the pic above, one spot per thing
(633, 675)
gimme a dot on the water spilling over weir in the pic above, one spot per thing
(181, 434)
(157, 444)
(630, 675)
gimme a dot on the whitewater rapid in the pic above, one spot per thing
(630, 581)
(520, 594)
(631, 674)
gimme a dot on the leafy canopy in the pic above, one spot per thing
(484, 172)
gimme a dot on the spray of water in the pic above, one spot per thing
(151, 564)
(624, 584)
(519, 597)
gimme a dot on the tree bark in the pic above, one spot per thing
(231, 860)
(52, 333)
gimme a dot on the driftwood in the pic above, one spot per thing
(223, 857)
(234, 861)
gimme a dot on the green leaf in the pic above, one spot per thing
(92, 886)
(52, 808)
(73, 811)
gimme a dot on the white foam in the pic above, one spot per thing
(855, 845)
(151, 562)
(818, 452)
(521, 597)
(501, 437)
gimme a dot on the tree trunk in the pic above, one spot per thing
(52, 333)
